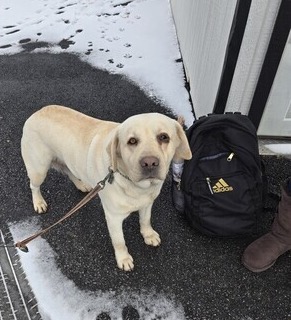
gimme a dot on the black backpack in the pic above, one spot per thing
(222, 183)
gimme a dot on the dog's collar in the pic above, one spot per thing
(117, 171)
(123, 175)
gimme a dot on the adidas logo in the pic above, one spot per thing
(221, 186)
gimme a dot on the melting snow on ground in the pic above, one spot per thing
(284, 149)
(135, 38)
(59, 298)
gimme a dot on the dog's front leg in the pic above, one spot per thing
(151, 237)
(123, 258)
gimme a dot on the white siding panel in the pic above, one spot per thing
(261, 19)
(276, 120)
(203, 28)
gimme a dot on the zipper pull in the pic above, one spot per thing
(179, 185)
(229, 158)
(209, 185)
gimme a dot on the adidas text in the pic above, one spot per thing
(223, 189)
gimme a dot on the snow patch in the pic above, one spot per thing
(59, 298)
(135, 38)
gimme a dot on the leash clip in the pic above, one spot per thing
(110, 175)
(21, 247)
(109, 178)
(101, 184)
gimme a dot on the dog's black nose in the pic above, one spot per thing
(149, 162)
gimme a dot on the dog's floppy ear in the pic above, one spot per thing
(112, 149)
(183, 150)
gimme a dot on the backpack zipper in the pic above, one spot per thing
(213, 157)
(208, 181)
(229, 158)
(179, 185)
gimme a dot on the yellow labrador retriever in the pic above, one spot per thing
(139, 151)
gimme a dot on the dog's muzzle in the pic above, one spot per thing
(150, 167)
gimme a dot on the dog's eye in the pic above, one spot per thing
(163, 137)
(132, 141)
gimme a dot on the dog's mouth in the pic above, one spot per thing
(150, 174)
(147, 182)
(150, 178)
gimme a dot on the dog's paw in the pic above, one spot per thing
(125, 263)
(152, 238)
(40, 206)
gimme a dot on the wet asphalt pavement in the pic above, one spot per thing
(202, 274)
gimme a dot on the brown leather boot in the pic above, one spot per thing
(263, 252)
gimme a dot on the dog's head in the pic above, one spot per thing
(144, 145)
